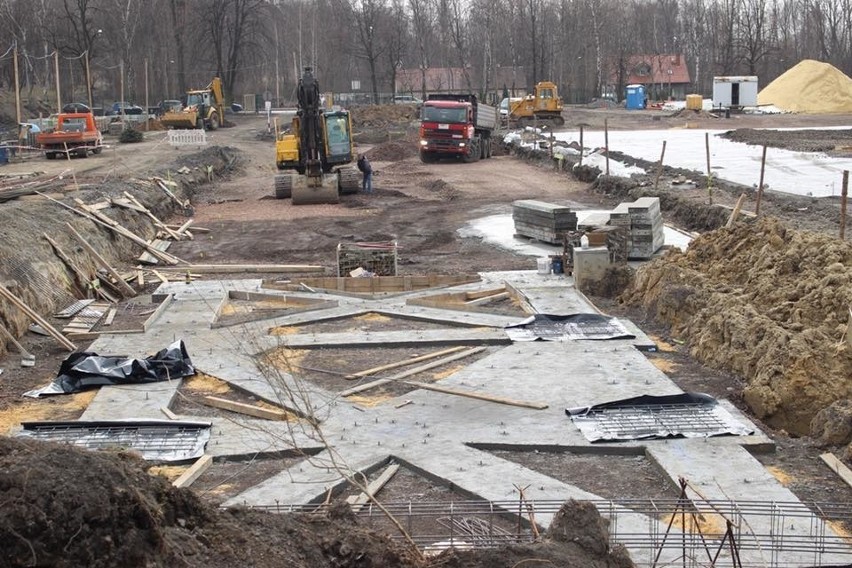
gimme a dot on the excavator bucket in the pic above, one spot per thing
(182, 119)
(307, 190)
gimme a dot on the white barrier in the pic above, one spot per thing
(187, 137)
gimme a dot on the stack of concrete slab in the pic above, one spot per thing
(543, 221)
(644, 224)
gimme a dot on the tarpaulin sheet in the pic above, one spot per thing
(81, 371)
(568, 327)
(687, 415)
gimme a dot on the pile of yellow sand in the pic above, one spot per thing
(810, 87)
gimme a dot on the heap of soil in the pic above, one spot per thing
(383, 116)
(810, 87)
(68, 507)
(392, 151)
(767, 303)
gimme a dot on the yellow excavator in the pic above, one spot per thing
(315, 156)
(543, 106)
(205, 108)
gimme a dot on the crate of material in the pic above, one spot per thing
(367, 259)
(545, 222)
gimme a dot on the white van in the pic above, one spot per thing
(406, 100)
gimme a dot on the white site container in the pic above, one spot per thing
(739, 91)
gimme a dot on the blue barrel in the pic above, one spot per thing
(635, 97)
(557, 265)
(4, 155)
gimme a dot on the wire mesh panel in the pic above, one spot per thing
(157, 441)
(25, 273)
(367, 259)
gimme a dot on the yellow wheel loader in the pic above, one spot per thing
(543, 106)
(316, 154)
(204, 108)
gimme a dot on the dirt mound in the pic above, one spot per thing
(767, 303)
(827, 141)
(103, 509)
(692, 114)
(392, 151)
(810, 87)
(383, 116)
(444, 190)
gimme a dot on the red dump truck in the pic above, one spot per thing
(457, 126)
(75, 134)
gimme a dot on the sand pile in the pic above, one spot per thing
(766, 303)
(810, 87)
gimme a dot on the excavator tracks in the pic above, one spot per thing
(283, 186)
(350, 180)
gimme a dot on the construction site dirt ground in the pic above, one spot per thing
(421, 207)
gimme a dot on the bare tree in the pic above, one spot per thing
(368, 16)
(422, 20)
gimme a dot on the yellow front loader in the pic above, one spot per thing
(543, 106)
(204, 108)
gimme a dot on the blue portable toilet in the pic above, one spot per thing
(635, 97)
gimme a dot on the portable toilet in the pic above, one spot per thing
(635, 97)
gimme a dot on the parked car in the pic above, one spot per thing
(236, 107)
(76, 107)
(406, 100)
(123, 107)
(169, 105)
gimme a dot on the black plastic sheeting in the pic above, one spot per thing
(85, 370)
(568, 327)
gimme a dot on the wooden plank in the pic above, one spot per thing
(194, 229)
(169, 414)
(357, 501)
(736, 211)
(152, 217)
(162, 278)
(248, 409)
(158, 312)
(403, 363)
(486, 299)
(124, 286)
(478, 396)
(14, 340)
(37, 318)
(248, 268)
(82, 277)
(110, 316)
(838, 467)
(201, 465)
(411, 372)
(71, 310)
(147, 258)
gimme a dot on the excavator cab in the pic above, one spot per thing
(319, 148)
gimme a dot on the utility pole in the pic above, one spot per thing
(89, 81)
(121, 97)
(56, 70)
(277, 76)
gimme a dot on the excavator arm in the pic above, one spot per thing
(215, 88)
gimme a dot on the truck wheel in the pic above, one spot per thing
(426, 157)
(50, 155)
(199, 124)
(83, 153)
(97, 149)
(214, 121)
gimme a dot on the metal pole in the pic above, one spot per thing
(17, 85)
(56, 70)
(843, 195)
(581, 145)
(147, 106)
(121, 96)
(606, 143)
(760, 185)
(89, 82)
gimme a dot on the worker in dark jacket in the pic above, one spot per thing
(365, 168)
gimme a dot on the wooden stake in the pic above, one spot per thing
(89, 81)
(581, 145)
(709, 173)
(735, 212)
(14, 340)
(760, 185)
(844, 194)
(389, 366)
(17, 86)
(37, 319)
(606, 143)
(56, 70)
(837, 467)
(660, 167)
(124, 286)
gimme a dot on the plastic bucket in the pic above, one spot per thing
(544, 266)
